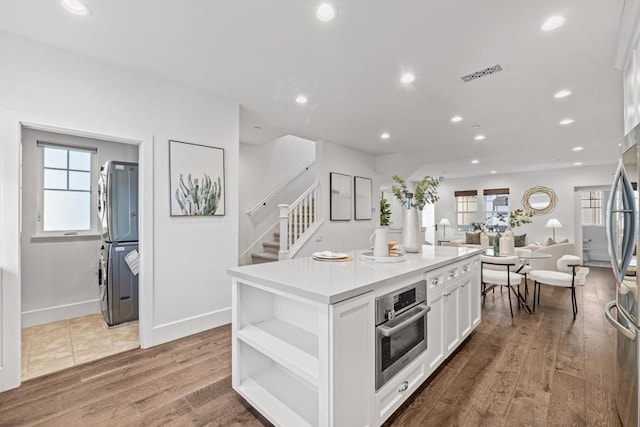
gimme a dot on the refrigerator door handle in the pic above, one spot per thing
(629, 333)
(629, 212)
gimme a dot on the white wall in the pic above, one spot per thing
(562, 181)
(262, 169)
(59, 277)
(343, 235)
(185, 286)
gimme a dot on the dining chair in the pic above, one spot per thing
(569, 275)
(498, 271)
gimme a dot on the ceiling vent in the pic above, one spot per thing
(481, 73)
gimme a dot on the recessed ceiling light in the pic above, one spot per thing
(475, 162)
(385, 135)
(493, 172)
(407, 78)
(564, 122)
(578, 148)
(301, 99)
(479, 137)
(562, 93)
(325, 12)
(456, 119)
(76, 7)
(552, 23)
(577, 163)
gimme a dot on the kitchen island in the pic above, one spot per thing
(303, 336)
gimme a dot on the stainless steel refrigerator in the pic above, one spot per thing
(118, 215)
(622, 235)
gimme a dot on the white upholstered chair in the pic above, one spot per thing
(570, 274)
(499, 271)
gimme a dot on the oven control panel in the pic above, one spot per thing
(404, 299)
(395, 303)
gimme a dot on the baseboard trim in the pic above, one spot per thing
(189, 326)
(60, 312)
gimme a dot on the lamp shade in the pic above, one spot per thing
(444, 221)
(553, 223)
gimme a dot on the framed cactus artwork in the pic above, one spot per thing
(196, 174)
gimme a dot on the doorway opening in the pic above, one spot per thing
(592, 214)
(68, 258)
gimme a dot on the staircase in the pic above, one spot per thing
(298, 222)
(270, 251)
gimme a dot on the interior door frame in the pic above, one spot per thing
(11, 125)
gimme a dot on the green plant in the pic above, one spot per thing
(478, 226)
(426, 191)
(385, 211)
(198, 199)
(519, 217)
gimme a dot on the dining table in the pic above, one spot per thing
(525, 256)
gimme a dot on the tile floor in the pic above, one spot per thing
(59, 345)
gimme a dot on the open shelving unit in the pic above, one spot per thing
(277, 344)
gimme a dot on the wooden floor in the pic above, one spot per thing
(540, 369)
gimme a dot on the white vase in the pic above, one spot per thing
(507, 243)
(411, 238)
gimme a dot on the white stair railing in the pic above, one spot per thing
(298, 221)
(262, 203)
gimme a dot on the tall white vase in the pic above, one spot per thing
(411, 237)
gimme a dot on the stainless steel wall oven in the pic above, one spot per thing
(401, 329)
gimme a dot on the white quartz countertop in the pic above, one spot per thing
(332, 282)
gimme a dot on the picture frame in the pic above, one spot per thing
(196, 179)
(362, 198)
(340, 197)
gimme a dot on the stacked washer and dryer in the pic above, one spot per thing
(118, 213)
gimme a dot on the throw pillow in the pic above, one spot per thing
(472, 238)
(519, 241)
(551, 242)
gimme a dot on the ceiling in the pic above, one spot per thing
(262, 54)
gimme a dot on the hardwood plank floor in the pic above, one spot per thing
(539, 369)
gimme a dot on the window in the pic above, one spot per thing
(496, 205)
(466, 209)
(592, 208)
(67, 177)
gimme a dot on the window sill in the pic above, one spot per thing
(36, 238)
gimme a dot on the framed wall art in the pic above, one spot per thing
(196, 175)
(340, 200)
(362, 197)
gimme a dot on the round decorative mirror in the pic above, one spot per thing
(539, 200)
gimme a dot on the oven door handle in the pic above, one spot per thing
(387, 331)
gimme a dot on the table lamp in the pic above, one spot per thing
(444, 222)
(553, 223)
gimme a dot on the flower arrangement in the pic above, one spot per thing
(516, 219)
(519, 217)
(426, 191)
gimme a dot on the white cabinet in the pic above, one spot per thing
(454, 298)
(352, 349)
(452, 315)
(464, 318)
(436, 352)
